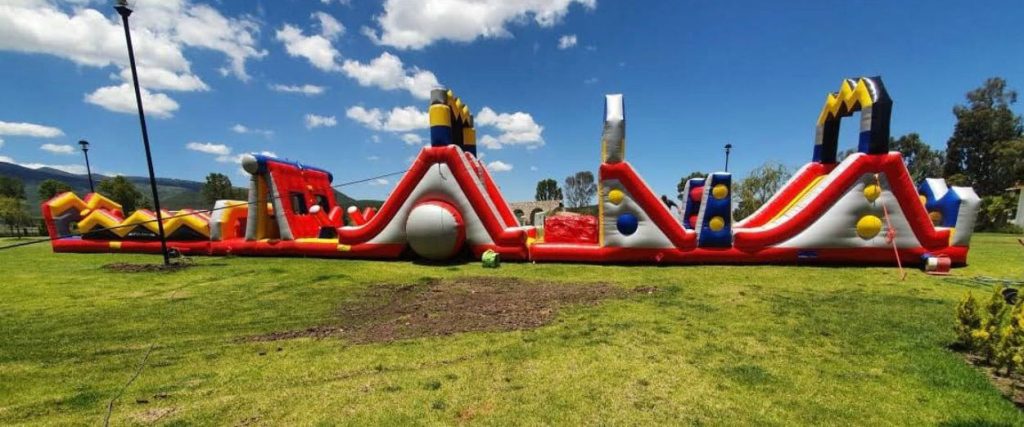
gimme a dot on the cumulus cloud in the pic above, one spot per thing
(517, 128)
(567, 41)
(315, 48)
(209, 148)
(389, 73)
(245, 130)
(121, 99)
(29, 129)
(399, 119)
(75, 169)
(379, 182)
(414, 24)
(87, 34)
(329, 27)
(314, 121)
(58, 148)
(489, 142)
(307, 89)
(412, 139)
(499, 166)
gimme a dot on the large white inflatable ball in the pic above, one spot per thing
(435, 230)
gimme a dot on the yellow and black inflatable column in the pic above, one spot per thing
(867, 95)
(440, 118)
(469, 134)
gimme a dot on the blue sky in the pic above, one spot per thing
(341, 84)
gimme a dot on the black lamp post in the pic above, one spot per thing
(728, 148)
(88, 169)
(122, 8)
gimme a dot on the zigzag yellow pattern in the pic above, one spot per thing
(845, 100)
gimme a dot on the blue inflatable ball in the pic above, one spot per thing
(627, 224)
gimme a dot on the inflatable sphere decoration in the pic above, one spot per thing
(869, 226)
(627, 224)
(720, 191)
(872, 192)
(696, 193)
(435, 230)
(717, 223)
(616, 196)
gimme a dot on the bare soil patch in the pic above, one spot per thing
(1011, 385)
(124, 267)
(387, 313)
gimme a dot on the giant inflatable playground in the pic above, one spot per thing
(864, 209)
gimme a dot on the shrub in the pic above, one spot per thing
(968, 321)
(995, 332)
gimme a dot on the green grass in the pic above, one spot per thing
(718, 345)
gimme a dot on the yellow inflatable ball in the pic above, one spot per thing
(720, 191)
(936, 216)
(616, 196)
(872, 192)
(869, 226)
(924, 200)
(717, 223)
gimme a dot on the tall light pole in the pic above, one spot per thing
(122, 8)
(728, 148)
(88, 169)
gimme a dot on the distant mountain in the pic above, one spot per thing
(174, 193)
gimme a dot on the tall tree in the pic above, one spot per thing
(52, 187)
(985, 126)
(547, 189)
(13, 214)
(580, 189)
(12, 187)
(122, 191)
(922, 161)
(217, 187)
(681, 186)
(759, 186)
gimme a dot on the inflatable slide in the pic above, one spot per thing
(864, 209)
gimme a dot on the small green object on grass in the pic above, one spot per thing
(491, 259)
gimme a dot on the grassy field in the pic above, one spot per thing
(716, 345)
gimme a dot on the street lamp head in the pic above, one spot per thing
(728, 147)
(84, 144)
(123, 7)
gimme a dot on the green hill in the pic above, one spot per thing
(174, 193)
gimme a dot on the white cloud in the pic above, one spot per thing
(1, 143)
(317, 49)
(307, 89)
(412, 139)
(58, 148)
(490, 142)
(121, 99)
(29, 129)
(499, 166)
(389, 73)
(414, 24)
(567, 41)
(164, 79)
(315, 121)
(373, 158)
(94, 37)
(209, 148)
(533, 168)
(329, 27)
(590, 81)
(245, 130)
(517, 128)
(399, 119)
(379, 182)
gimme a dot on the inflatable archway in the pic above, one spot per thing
(864, 209)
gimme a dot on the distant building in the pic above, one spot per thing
(1018, 220)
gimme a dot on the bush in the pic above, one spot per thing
(994, 332)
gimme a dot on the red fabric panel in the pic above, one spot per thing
(570, 229)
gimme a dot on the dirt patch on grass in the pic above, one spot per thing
(124, 267)
(1011, 385)
(443, 307)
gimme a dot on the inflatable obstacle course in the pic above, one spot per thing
(863, 209)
